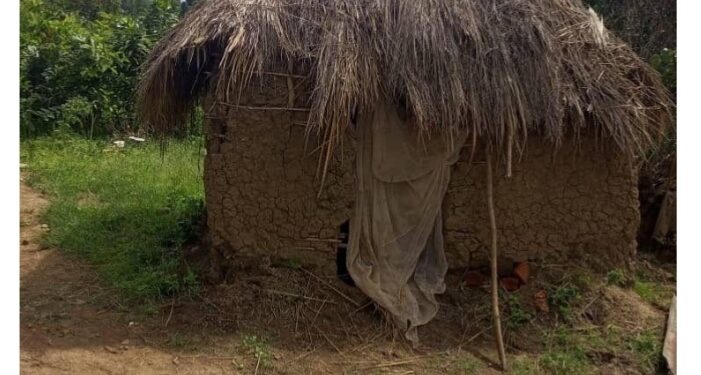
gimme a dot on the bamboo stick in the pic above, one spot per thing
(495, 287)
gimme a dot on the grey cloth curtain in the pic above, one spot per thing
(395, 251)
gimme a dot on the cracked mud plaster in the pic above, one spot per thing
(262, 185)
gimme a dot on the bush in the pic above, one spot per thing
(79, 63)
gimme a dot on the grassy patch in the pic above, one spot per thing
(126, 210)
(468, 365)
(647, 349)
(576, 351)
(653, 292)
(259, 348)
(566, 362)
(523, 365)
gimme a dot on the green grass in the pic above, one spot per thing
(523, 365)
(653, 292)
(647, 348)
(571, 350)
(516, 314)
(259, 348)
(562, 297)
(127, 211)
(468, 364)
(566, 353)
(616, 277)
(566, 362)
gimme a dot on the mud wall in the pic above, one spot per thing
(262, 194)
(577, 205)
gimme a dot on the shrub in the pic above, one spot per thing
(79, 63)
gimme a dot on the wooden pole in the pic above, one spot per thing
(495, 282)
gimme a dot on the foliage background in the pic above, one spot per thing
(649, 27)
(79, 62)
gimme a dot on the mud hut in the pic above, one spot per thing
(565, 107)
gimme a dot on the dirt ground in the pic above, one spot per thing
(66, 325)
(71, 324)
(267, 318)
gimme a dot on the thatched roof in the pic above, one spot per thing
(502, 68)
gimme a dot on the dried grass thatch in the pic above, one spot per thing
(500, 68)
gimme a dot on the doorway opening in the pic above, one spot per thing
(341, 253)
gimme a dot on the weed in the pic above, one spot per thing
(561, 298)
(616, 277)
(440, 362)
(523, 365)
(517, 316)
(259, 348)
(653, 292)
(177, 340)
(468, 365)
(148, 202)
(572, 350)
(582, 280)
(647, 347)
(181, 342)
(566, 362)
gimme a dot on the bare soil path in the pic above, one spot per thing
(68, 325)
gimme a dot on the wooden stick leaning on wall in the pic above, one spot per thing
(495, 282)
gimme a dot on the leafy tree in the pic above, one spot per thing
(86, 8)
(79, 64)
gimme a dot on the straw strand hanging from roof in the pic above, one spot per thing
(501, 68)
